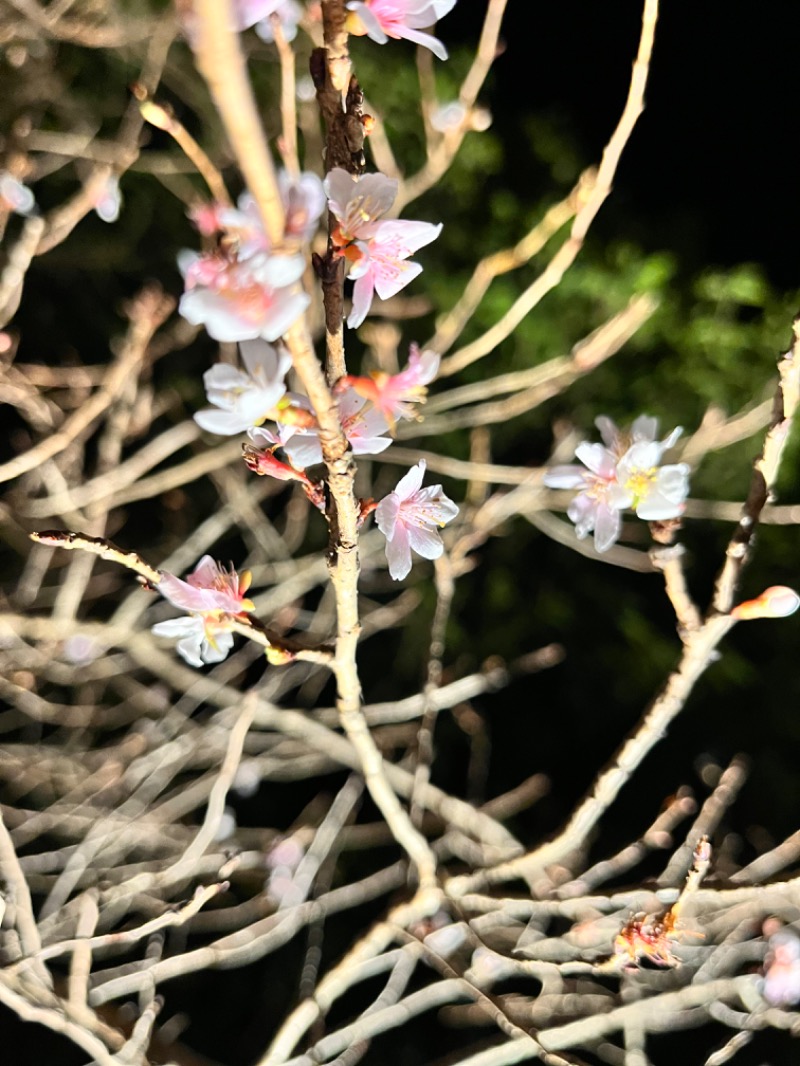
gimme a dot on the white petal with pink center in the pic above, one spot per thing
(621, 473)
(383, 267)
(238, 301)
(409, 518)
(244, 397)
(359, 203)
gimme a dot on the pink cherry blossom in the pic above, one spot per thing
(395, 395)
(200, 640)
(409, 517)
(382, 19)
(383, 267)
(621, 473)
(210, 588)
(241, 300)
(358, 203)
(363, 425)
(244, 397)
(15, 196)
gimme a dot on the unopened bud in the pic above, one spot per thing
(778, 601)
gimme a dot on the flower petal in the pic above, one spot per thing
(398, 553)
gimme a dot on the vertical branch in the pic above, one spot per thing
(445, 590)
(765, 474)
(288, 99)
(340, 102)
(220, 60)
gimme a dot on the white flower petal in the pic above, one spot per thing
(425, 542)
(398, 553)
(607, 527)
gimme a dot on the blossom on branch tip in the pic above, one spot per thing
(209, 588)
(15, 196)
(244, 397)
(410, 517)
(778, 601)
(213, 596)
(623, 472)
(382, 19)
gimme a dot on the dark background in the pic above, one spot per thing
(710, 177)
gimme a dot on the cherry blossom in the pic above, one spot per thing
(654, 493)
(358, 203)
(621, 473)
(409, 517)
(200, 640)
(15, 196)
(244, 397)
(382, 19)
(213, 596)
(241, 300)
(363, 425)
(244, 225)
(382, 267)
(210, 588)
(243, 15)
(395, 395)
(375, 247)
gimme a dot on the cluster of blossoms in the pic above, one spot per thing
(377, 249)
(243, 399)
(624, 472)
(378, 19)
(245, 288)
(248, 291)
